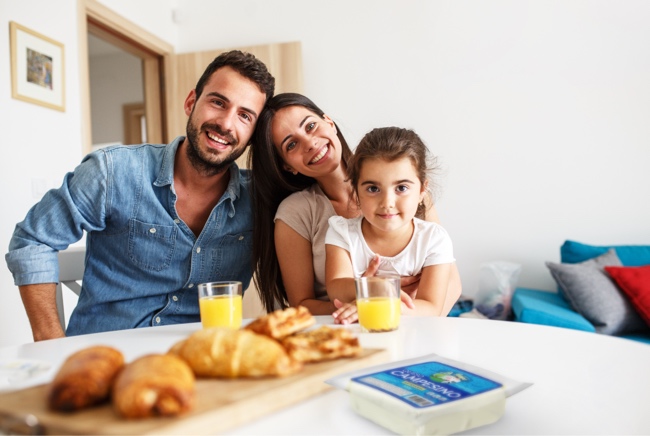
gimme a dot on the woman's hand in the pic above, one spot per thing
(346, 313)
(407, 301)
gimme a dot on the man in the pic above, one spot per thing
(160, 219)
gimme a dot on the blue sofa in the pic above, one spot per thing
(551, 308)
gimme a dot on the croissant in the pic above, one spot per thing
(154, 385)
(85, 378)
(223, 352)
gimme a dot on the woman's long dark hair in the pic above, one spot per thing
(270, 185)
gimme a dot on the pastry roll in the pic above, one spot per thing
(85, 378)
(223, 352)
(154, 385)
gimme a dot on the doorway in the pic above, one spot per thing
(117, 108)
(120, 45)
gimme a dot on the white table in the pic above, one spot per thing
(583, 383)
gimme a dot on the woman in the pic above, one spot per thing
(298, 162)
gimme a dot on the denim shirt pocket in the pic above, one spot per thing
(232, 256)
(151, 246)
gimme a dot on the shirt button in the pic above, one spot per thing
(152, 230)
(241, 238)
(191, 285)
(157, 320)
(175, 298)
(198, 250)
(177, 221)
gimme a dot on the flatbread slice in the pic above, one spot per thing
(282, 323)
(323, 343)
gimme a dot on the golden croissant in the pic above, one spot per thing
(223, 352)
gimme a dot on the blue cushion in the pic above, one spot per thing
(640, 337)
(630, 255)
(461, 306)
(591, 292)
(547, 308)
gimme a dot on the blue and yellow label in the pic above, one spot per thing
(428, 384)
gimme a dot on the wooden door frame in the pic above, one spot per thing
(132, 114)
(96, 18)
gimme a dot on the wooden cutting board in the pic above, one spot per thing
(220, 404)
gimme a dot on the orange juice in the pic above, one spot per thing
(379, 314)
(221, 311)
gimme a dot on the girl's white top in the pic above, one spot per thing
(429, 245)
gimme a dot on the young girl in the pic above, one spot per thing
(388, 173)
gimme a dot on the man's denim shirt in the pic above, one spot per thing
(143, 263)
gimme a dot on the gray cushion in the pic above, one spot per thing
(593, 294)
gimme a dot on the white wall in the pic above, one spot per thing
(538, 109)
(39, 144)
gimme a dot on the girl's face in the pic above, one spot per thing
(389, 193)
(306, 142)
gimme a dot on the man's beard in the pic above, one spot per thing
(206, 162)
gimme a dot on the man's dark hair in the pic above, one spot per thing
(245, 64)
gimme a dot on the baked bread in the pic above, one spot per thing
(85, 378)
(323, 343)
(154, 385)
(282, 323)
(224, 352)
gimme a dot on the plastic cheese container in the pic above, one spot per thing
(427, 398)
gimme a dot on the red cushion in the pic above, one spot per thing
(634, 281)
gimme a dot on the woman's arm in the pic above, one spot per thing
(455, 287)
(432, 294)
(297, 270)
(339, 273)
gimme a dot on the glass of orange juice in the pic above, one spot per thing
(378, 303)
(220, 304)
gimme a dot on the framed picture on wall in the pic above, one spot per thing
(37, 73)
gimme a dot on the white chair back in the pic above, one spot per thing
(71, 271)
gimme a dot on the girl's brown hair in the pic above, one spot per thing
(390, 144)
